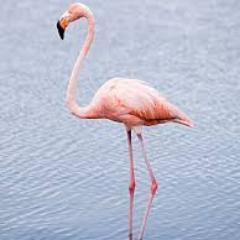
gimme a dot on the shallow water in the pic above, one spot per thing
(65, 178)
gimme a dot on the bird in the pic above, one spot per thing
(131, 102)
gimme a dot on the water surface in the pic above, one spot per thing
(64, 178)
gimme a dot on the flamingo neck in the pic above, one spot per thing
(82, 112)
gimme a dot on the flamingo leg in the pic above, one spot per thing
(131, 186)
(154, 187)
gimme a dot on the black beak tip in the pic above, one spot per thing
(60, 30)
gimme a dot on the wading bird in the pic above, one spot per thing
(129, 101)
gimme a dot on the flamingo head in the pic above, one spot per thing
(74, 12)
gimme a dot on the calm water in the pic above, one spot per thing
(66, 179)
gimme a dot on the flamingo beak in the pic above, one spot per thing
(63, 23)
(61, 30)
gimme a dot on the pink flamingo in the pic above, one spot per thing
(128, 101)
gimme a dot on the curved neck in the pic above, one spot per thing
(82, 112)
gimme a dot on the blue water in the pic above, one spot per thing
(67, 179)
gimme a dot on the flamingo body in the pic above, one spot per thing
(134, 103)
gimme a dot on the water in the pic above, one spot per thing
(65, 178)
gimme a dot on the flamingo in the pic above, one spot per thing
(129, 101)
